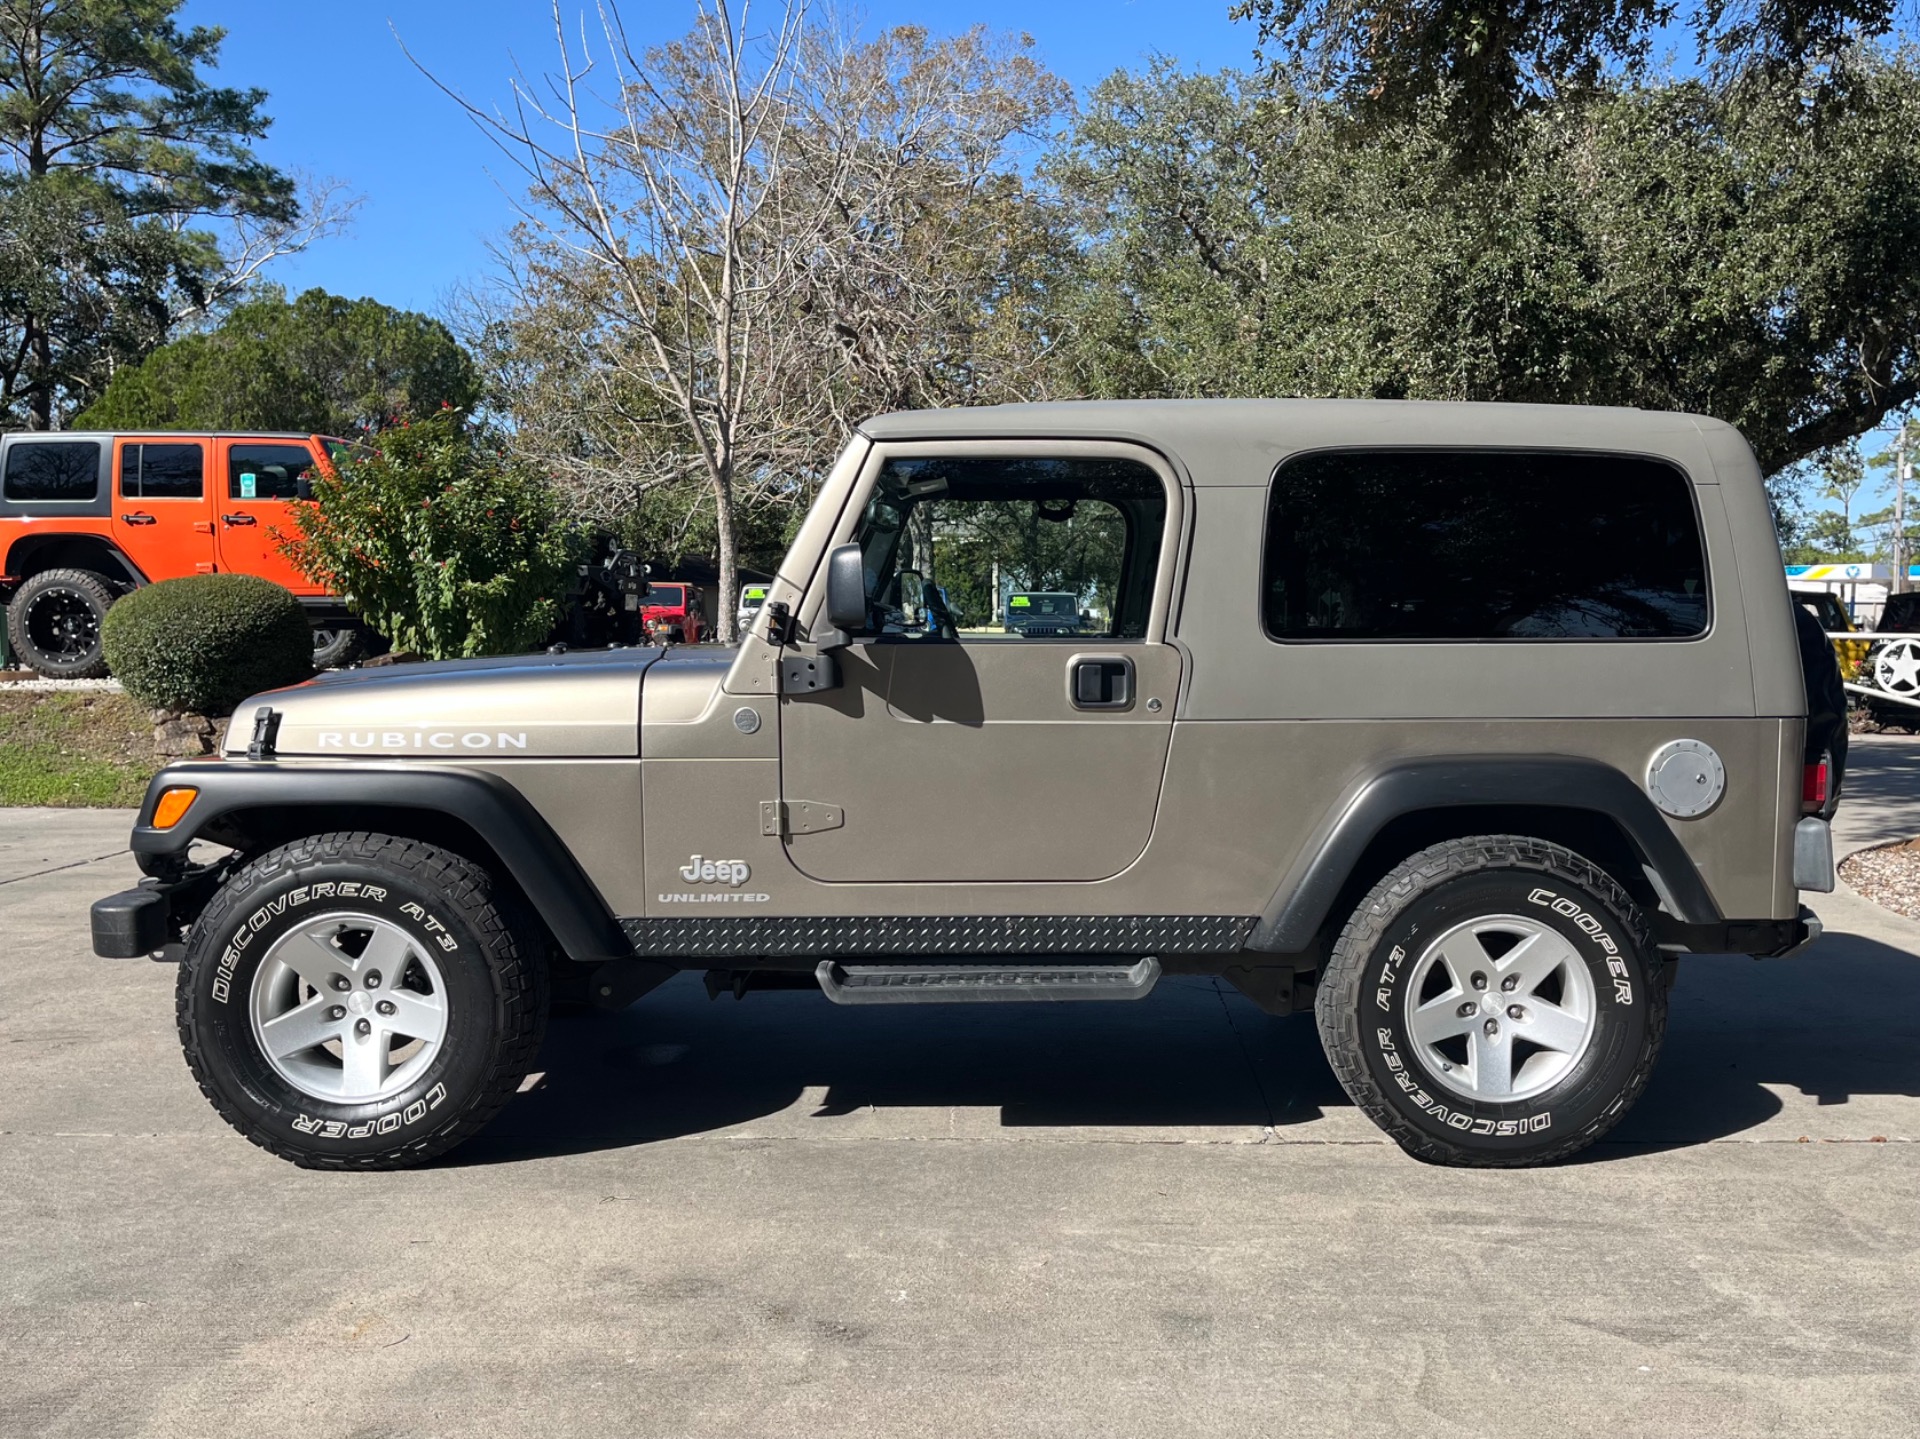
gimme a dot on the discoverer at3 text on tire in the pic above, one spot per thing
(1494, 1001)
(357, 1001)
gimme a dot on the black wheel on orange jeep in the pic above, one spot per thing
(54, 622)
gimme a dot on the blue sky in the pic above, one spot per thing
(347, 103)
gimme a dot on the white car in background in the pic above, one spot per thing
(751, 598)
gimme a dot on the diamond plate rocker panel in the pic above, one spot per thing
(974, 934)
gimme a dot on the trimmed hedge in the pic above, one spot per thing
(206, 642)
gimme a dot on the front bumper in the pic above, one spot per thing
(152, 919)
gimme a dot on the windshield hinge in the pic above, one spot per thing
(783, 818)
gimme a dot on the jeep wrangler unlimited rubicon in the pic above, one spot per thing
(87, 516)
(1455, 724)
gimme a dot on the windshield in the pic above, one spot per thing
(753, 598)
(667, 596)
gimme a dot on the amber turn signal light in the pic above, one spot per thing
(173, 804)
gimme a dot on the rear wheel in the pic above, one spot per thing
(337, 643)
(54, 623)
(1494, 1002)
(357, 1001)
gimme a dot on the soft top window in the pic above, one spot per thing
(1482, 545)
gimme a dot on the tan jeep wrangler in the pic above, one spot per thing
(1456, 724)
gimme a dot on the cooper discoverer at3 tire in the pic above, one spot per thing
(1495, 1002)
(359, 1001)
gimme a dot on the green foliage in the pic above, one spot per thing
(71, 750)
(1484, 64)
(318, 365)
(1658, 246)
(114, 154)
(206, 642)
(441, 545)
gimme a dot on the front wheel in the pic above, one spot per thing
(1494, 1002)
(358, 1001)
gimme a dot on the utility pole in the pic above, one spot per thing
(1902, 472)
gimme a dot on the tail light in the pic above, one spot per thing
(1814, 782)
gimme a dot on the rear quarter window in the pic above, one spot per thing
(62, 471)
(1450, 544)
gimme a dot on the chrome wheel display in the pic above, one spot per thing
(349, 1007)
(1500, 1008)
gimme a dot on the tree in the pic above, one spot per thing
(130, 198)
(1486, 64)
(320, 364)
(439, 543)
(758, 238)
(1661, 246)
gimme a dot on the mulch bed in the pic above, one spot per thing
(1888, 874)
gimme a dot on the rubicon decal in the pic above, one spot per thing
(441, 739)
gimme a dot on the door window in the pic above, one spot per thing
(1012, 548)
(161, 472)
(267, 472)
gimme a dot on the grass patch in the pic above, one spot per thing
(74, 750)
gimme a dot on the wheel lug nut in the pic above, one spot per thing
(1479, 981)
(1468, 1010)
(373, 979)
(1510, 983)
(364, 1027)
(385, 1006)
(1492, 1027)
(340, 981)
(338, 1011)
(1514, 1011)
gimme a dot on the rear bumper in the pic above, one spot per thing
(1761, 938)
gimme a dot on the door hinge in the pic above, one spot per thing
(783, 818)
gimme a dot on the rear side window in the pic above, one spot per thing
(60, 470)
(1482, 545)
(266, 472)
(161, 472)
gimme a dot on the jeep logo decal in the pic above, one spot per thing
(715, 871)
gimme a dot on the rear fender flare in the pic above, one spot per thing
(1304, 899)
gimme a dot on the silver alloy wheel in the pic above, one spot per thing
(349, 1008)
(1500, 1008)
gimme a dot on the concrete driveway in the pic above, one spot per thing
(781, 1218)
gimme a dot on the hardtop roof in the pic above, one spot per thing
(1239, 441)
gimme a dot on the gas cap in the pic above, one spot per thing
(1685, 778)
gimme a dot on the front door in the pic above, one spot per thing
(964, 745)
(257, 493)
(162, 517)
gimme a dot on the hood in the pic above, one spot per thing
(542, 706)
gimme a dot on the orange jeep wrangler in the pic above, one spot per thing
(86, 517)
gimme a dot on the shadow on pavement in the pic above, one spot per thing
(1839, 1023)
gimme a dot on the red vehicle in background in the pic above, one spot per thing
(674, 613)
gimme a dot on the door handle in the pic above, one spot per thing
(238, 520)
(138, 517)
(1100, 682)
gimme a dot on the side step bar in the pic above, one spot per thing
(965, 983)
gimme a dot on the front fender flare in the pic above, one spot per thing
(533, 854)
(1305, 897)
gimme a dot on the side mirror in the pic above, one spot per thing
(303, 488)
(846, 589)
